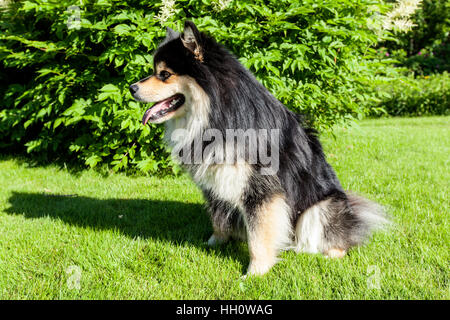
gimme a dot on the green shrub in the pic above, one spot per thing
(432, 26)
(406, 96)
(66, 89)
(426, 48)
(432, 60)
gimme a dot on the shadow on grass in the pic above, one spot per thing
(170, 221)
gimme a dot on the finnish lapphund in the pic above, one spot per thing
(199, 88)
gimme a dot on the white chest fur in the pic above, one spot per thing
(226, 181)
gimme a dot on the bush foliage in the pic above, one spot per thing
(65, 90)
(432, 26)
(408, 96)
(426, 48)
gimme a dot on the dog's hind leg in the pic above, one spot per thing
(334, 225)
(269, 230)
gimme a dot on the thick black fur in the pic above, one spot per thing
(239, 101)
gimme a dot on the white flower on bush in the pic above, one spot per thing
(398, 18)
(220, 5)
(166, 11)
(4, 3)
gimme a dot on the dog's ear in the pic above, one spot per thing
(171, 34)
(192, 40)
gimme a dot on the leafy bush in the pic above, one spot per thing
(429, 95)
(433, 59)
(432, 26)
(426, 48)
(66, 85)
(430, 60)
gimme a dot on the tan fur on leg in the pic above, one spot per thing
(271, 234)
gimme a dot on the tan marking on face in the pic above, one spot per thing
(193, 116)
(195, 109)
(154, 89)
(160, 66)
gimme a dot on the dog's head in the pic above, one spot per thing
(173, 87)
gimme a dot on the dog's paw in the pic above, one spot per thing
(335, 253)
(259, 268)
(244, 277)
(216, 240)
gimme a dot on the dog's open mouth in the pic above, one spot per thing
(162, 108)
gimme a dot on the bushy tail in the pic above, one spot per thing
(370, 216)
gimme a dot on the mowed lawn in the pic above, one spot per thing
(85, 236)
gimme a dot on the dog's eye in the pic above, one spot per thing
(163, 75)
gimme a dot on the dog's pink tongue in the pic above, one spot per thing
(154, 110)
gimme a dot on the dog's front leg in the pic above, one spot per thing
(217, 238)
(224, 218)
(268, 231)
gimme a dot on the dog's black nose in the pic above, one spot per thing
(134, 88)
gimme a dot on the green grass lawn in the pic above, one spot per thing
(144, 237)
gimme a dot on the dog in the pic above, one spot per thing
(199, 87)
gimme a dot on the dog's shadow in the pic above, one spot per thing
(170, 221)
